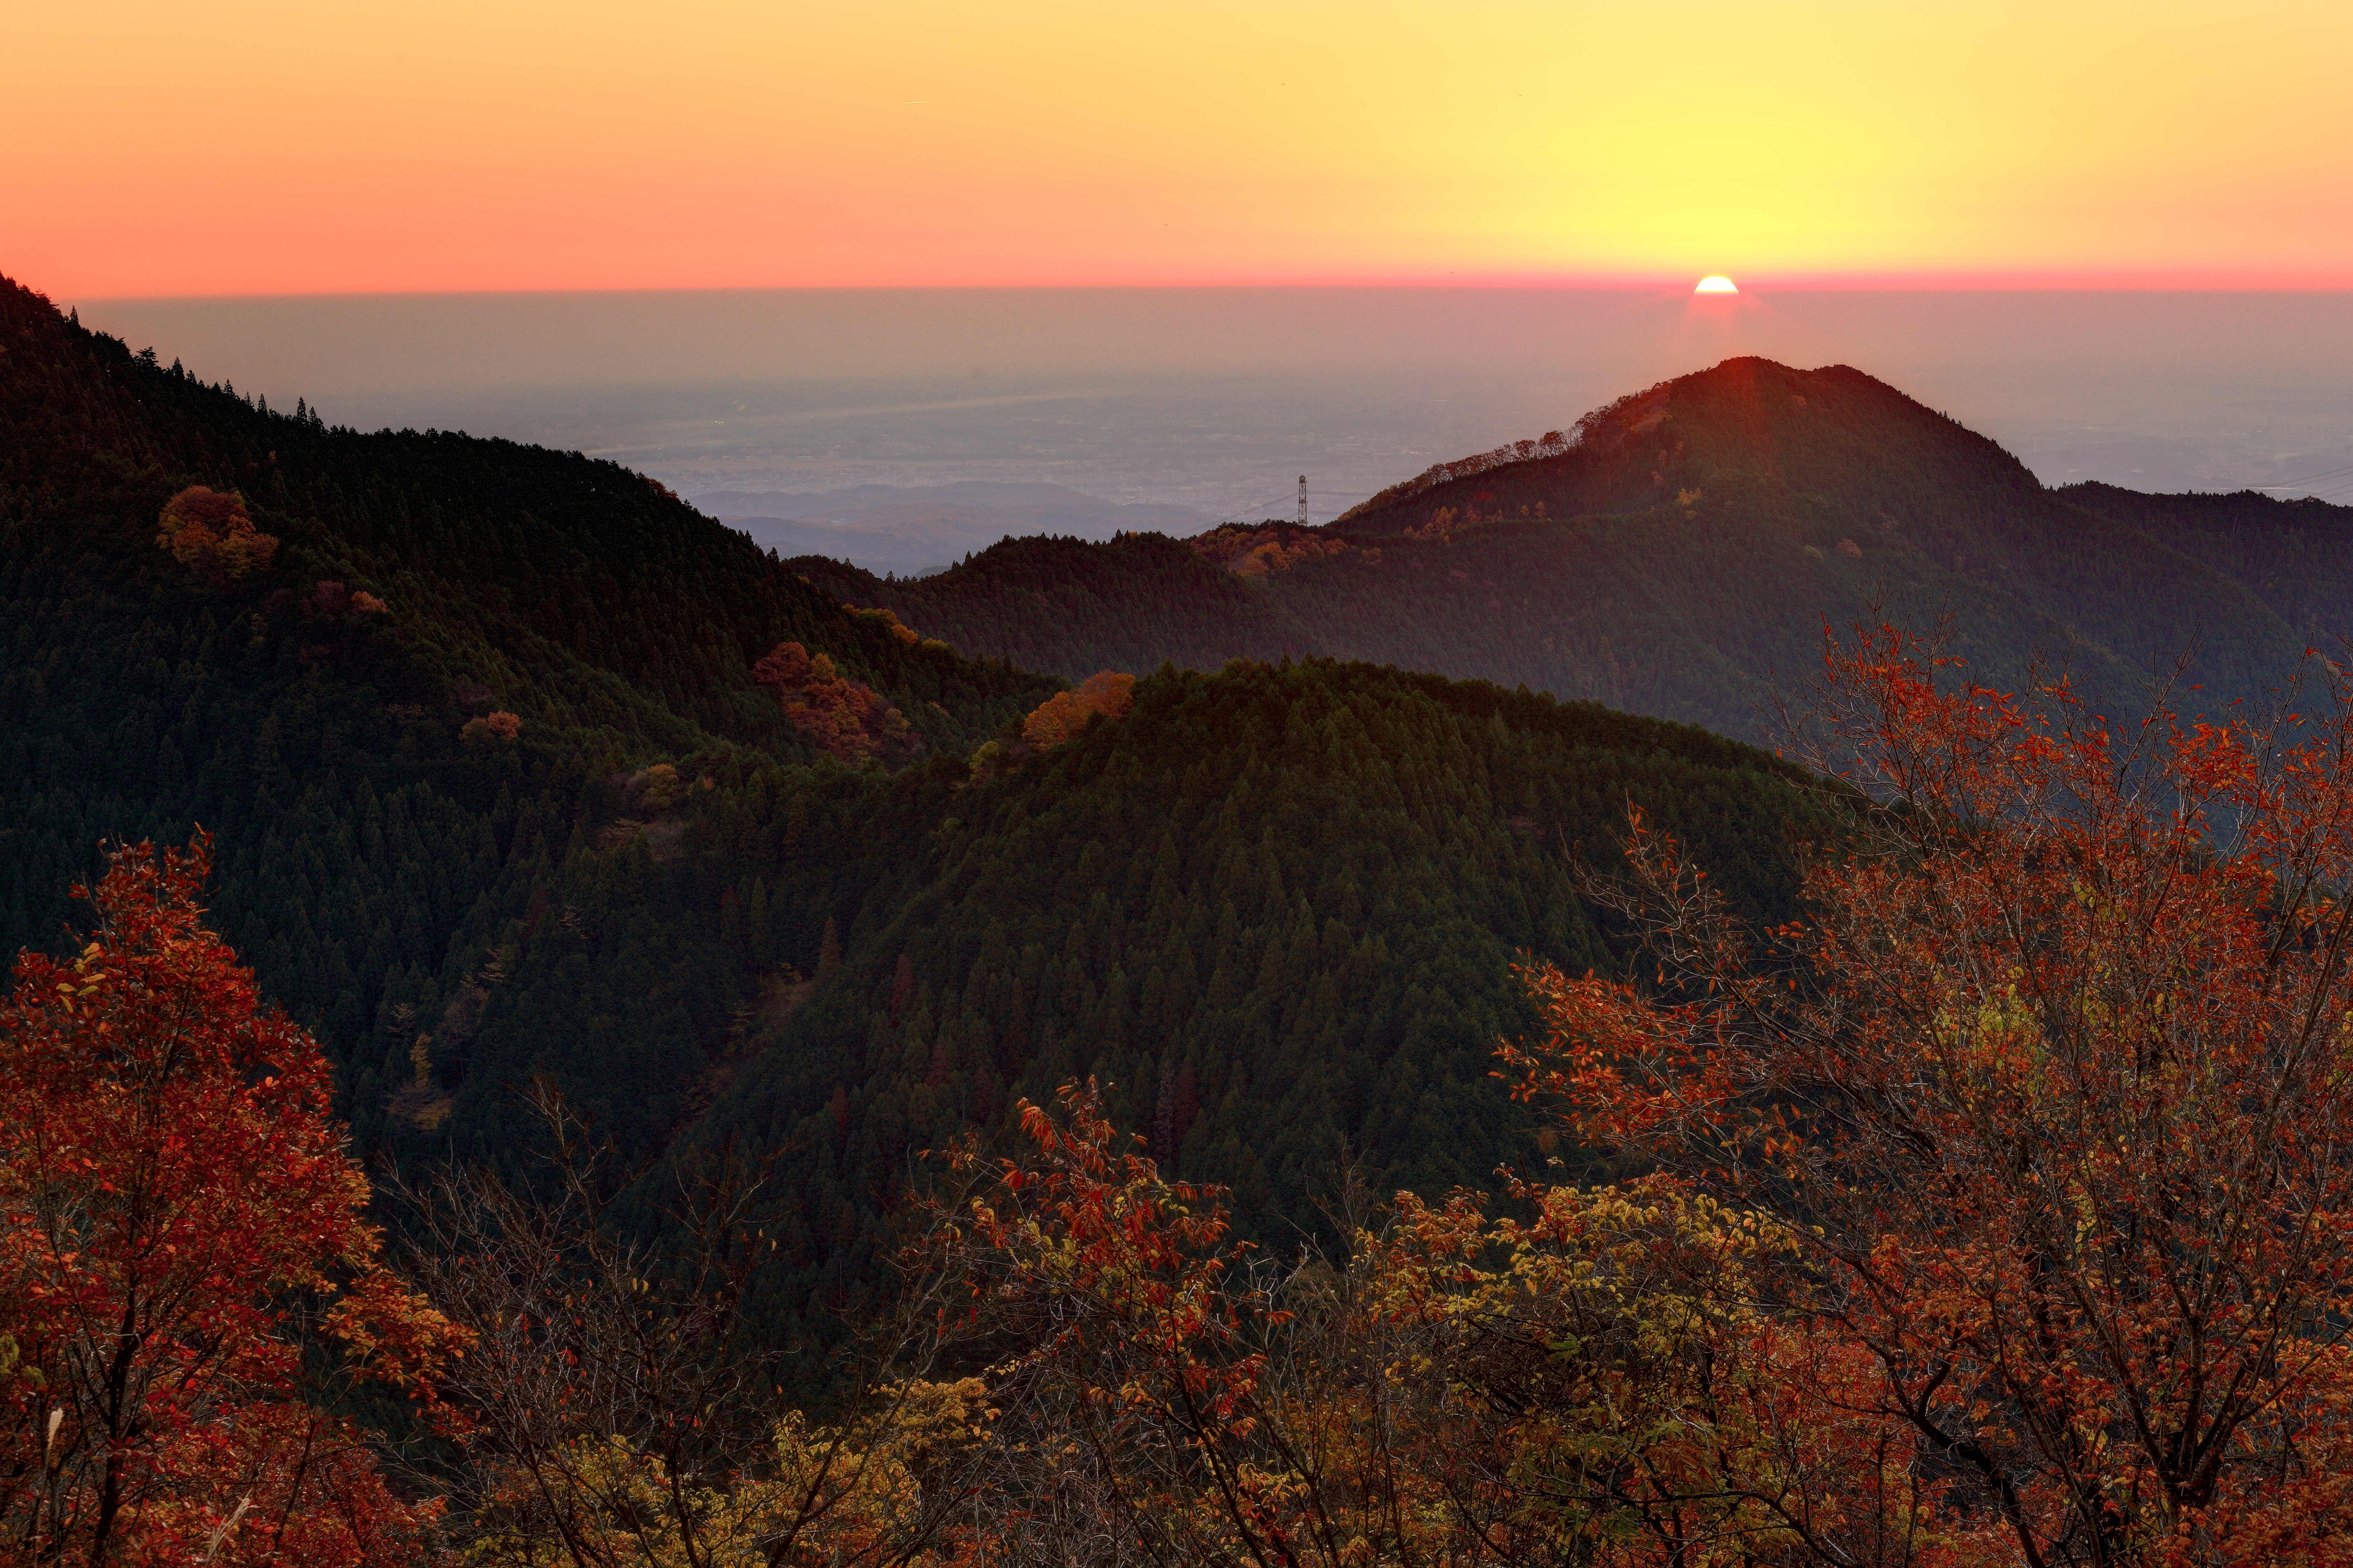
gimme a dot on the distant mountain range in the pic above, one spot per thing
(1679, 554)
(908, 531)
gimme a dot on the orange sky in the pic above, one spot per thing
(295, 148)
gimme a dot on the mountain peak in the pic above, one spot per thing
(1745, 422)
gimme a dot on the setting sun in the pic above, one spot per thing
(527, 145)
(1716, 285)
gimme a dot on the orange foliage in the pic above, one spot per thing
(1064, 715)
(173, 1192)
(1254, 552)
(842, 718)
(1131, 1385)
(1610, 1381)
(1445, 522)
(1589, 1385)
(2047, 1094)
(498, 726)
(331, 601)
(208, 531)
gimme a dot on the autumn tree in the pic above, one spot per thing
(1127, 1356)
(178, 1219)
(1592, 1378)
(2045, 1095)
(619, 1407)
(498, 726)
(1589, 1382)
(333, 601)
(209, 532)
(1065, 715)
(844, 718)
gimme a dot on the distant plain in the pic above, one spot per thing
(1214, 400)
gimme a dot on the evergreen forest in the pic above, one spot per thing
(1274, 907)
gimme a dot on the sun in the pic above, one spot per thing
(1716, 285)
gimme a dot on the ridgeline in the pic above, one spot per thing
(1679, 555)
(519, 768)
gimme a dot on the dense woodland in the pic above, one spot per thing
(1275, 905)
(1985, 1214)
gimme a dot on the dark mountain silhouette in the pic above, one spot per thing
(1679, 554)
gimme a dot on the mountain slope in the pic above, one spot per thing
(2295, 556)
(910, 530)
(361, 825)
(1275, 906)
(1045, 603)
(1680, 557)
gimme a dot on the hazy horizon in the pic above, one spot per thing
(1215, 399)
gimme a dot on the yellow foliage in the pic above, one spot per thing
(835, 1494)
(889, 622)
(1613, 1369)
(498, 726)
(661, 786)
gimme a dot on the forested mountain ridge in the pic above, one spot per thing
(1055, 603)
(2290, 554)
(1275, 908)
(1679, 555)
(498, 755)
(342, 753)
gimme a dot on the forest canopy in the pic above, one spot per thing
(1976, 1215)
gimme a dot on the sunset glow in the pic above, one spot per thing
(1716, 285)
(276, 147)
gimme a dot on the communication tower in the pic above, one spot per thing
(1302, 500)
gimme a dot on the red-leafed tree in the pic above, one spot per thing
(1064, 716)
(209, 532)
(2047, 1095)
(1127, 1399)
(178, 1216)
(841, 717)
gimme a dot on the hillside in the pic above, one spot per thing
(2290, 554)
(1678, 556)
(1275, 907)
(365, 815)
(492, 746)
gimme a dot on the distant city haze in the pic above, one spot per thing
(1211, 403)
